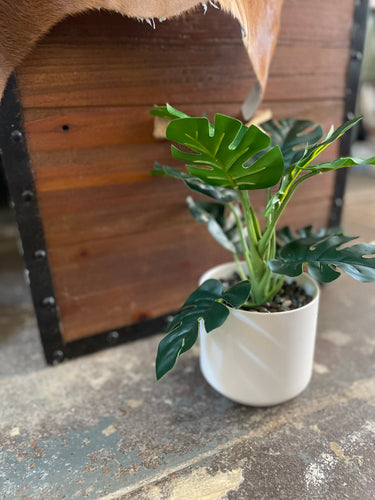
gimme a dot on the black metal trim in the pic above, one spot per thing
(17, 168)
(18, 172)
(354, 71)
(116, 337)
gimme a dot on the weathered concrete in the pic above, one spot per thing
(100, 427)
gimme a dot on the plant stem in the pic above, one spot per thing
(269, 233)
(241, 272)
(242, 238)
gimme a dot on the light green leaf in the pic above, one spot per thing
(314, 151)
(221, 151)
(168, 112)
(340, 163)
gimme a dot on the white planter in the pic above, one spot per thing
(261, 359)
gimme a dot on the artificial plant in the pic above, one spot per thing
(226, 161)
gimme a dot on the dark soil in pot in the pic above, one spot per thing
(291, 296)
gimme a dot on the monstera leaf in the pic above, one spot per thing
(224, 195)
(292, 136)
(321, 252)
(286, 235)
(220, 151)
(207, 303)
(220, 225)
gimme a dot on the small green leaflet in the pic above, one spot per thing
(207, 303)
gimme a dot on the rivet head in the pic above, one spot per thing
(40, 254)
(350, 115)
(338, 202)
(16, 135)
(112, 337)
(27, 195)
(57, 357)
(48, 302)
(356, 54)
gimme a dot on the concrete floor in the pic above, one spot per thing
(100, 427)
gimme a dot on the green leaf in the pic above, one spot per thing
(221, 150)
(292, 136)
(167, 112)
(320, 251)
(224, 195)
(223, 228)
(238, 294)
(312, 152)
(205, 304)
(340, 163)
(286, 235)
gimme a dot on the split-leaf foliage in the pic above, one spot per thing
(225, 161)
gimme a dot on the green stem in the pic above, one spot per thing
(270, 230)
(250, 218)
(242, 238)
(241, 272)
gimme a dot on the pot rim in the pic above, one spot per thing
(227, 265)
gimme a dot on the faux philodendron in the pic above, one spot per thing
(225, 161)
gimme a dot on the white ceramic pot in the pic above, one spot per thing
(261, 359)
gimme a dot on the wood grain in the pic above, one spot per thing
(121, 244)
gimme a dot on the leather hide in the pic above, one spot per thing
(23, 22)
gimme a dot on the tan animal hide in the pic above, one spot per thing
(23, 22)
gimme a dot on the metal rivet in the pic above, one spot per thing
(350, 115)
(40, 254)
(57, 357)
(112, 337)
(338, 202)
(356, 54)
(48, 302)
(27, 195)
(16, 135)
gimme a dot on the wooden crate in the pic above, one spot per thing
(121, 245)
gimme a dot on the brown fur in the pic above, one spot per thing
(23, 22)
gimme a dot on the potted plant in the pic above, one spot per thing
(256, 316)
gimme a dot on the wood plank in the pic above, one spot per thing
(98, 213)
(56, 130)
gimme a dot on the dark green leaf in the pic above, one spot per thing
(286, 235)
(218, 193)
(292, 136)
(220, 225)
(205, 304)
(321, 253)
(220, 152)
(238, 294)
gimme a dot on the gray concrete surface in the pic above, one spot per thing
(100, 427)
